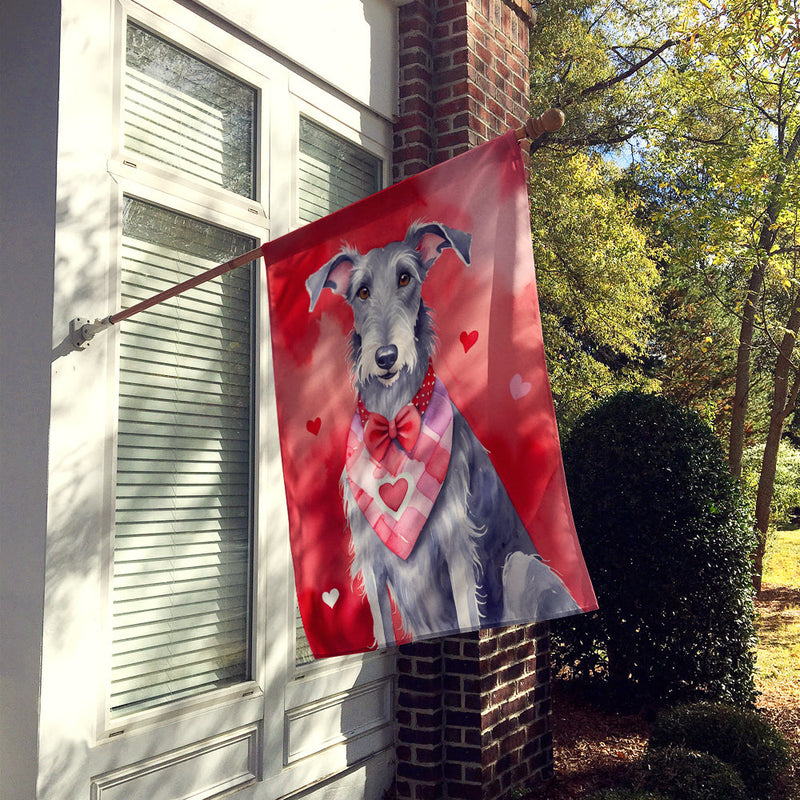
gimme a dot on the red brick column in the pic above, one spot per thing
(473, 714)
(413, 126)
(419, 748)
(473, 711)
(463, 77)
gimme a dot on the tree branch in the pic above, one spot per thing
(720, 140)
(590, 139)
(601, 86)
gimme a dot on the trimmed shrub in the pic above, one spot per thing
(667, 541)
(741, 738)
(683, 774)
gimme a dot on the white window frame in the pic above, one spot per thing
(157, 195)
(316, 686)
(137, 177)
(281, 698)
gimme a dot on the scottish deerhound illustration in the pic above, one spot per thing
(431, 523)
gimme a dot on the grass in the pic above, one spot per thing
(778, 648)
(783, 559)
(778, 625)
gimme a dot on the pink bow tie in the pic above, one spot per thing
(404, 429)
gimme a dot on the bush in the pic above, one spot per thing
(743, 739)
(683, 774)
(667, 541)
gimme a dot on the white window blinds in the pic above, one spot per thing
(182, 543)
(333, 173)
(184, 113)
(181, 593)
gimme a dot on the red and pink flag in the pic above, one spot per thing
(423, 474)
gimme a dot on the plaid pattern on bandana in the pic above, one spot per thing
(397, 494)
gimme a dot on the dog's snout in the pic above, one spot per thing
(385, 357)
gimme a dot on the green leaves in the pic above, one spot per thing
(595, 276)
(700, 101)
(666, 540)
(596, 268)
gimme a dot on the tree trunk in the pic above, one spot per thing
(784, 398)
(766, 483)
(742, 388)
(766, 240)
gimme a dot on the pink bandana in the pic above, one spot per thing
(396, 493)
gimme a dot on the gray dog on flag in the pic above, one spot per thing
(431, 524)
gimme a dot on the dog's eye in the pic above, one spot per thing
(363, 292)
(404, 279)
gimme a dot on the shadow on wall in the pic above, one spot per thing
(369, 709)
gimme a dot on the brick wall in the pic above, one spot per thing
(473, 714)
(463, 77)
(473, 711)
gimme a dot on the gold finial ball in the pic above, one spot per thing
(549, 122)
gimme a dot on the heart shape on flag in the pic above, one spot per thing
(518, 387)
(313, 425)
(330, 598)
(393, 494)
(468, 339)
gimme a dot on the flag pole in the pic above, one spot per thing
(82, 331)
(179, 288)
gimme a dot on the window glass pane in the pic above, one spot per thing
(333, 173)
(187, 114)
(183, 532)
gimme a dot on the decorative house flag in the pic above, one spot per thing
(423, 473)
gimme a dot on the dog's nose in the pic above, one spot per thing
(386, 356)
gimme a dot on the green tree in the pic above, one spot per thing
(724, 154)
(786, 492)
(596, 281)
(598, 60)
(695, 341)
(597, 278)
(704, 96)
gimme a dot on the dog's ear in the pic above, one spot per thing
(430, 238)
(335, 275)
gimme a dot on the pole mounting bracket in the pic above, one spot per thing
(82, 330)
